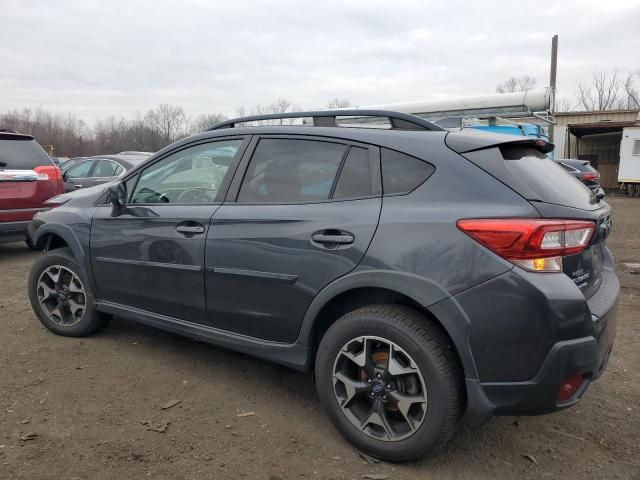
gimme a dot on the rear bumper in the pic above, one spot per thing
(13, 231)
(586, 356)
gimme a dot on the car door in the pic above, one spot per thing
(78, 175)
(150, 255)
(104, 170)
(302, 216)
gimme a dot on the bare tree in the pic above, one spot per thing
(282, 105)
(517, 84)
(169, 121)
(632, 95)
(603, 93)
(206, 121)
(563, 104)
(339, 103)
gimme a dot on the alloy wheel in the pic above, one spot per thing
(61, 295)
(379, 388)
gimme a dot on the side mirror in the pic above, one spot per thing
(118, 197)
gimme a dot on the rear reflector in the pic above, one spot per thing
(534, 244)
(569, 387)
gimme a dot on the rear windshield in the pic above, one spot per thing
(22, 155)
(548, 181)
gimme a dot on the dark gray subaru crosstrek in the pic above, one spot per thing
(427, 277)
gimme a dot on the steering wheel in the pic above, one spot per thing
(193, 195)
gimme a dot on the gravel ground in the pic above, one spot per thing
(92, 408)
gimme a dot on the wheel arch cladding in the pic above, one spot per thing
(54, 235)
(376, 287)
(51, 241)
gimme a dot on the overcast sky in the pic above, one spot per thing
(99, 58)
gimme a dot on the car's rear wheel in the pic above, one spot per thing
(389, 382)
(61, 297)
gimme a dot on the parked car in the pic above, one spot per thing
(426, 277)
(28, 178)
(91, 171)
(133, 152)
(69, 163)
(583, 171)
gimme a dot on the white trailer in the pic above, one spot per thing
(629, 170)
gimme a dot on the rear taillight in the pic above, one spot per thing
(48, 173)
(590, 176)
(537, 245)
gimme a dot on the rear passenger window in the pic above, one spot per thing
(355, 177)
(105, 168)
(291, 171)
(402, 173)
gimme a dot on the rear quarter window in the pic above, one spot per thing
(22, 155)
(403, 173)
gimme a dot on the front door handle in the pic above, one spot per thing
(333, 237)
(77, 185)
(190, 229)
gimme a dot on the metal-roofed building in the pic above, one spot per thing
(610, 140)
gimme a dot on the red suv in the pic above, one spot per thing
(28, 178)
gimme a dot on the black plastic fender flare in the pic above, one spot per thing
(423, 291)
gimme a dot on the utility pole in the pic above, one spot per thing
(552, 79)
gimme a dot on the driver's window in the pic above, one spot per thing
(192, 175)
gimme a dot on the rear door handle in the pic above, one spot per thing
(190, 229)
(343, 238)
(77, 185)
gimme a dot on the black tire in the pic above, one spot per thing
(91, 321)
(431, 352)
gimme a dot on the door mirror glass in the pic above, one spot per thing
(118, 195)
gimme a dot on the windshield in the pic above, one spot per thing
(549, 181)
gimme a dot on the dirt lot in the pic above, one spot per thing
(93, 406)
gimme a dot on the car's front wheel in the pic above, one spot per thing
(389, 382)
(61, 297)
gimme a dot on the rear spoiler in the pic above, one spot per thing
(470, 141)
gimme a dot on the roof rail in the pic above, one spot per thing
(327, 118)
